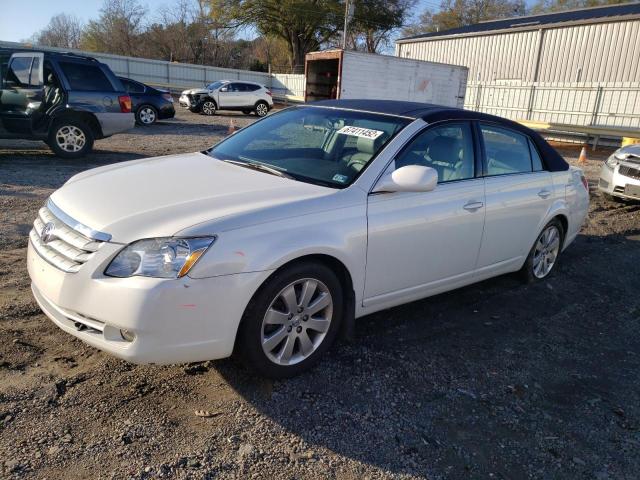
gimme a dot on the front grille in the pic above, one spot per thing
(628, 171)
(618, 189)
(66, 249)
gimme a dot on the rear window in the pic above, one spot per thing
(86, 77)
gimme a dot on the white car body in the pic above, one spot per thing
(620, 174)
(227, 95)
(391, 244)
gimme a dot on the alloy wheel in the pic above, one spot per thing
(70, 138)
(209, 108)
(546, 251)
(147, 115)
(297, 321)
(262, 109)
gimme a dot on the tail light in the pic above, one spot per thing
(167, 96)
(125, 103)
(584, 182)
(268, 92)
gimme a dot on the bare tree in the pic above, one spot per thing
(63, 30)
(118, 28)
(375, 21)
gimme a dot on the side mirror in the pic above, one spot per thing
(410, 178)
(224, 89)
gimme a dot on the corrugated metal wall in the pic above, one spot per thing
(598, 52)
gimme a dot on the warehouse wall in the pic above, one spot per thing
(597, 52)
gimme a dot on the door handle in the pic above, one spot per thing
(544, 193)
(473, 206)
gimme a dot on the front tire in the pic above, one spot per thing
(262, 108)
(544, 253)
(209, 107)
(146, 115)
(292, 320)
(70, 138)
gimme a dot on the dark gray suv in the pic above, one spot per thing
(66, 100)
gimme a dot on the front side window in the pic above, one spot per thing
(506, 151)
(312, 144)
(86, 77)
(448, 149)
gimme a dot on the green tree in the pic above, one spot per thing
(304, 25)
(374, 22)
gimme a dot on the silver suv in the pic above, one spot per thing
(228, 95)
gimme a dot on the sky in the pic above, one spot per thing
(13, 28)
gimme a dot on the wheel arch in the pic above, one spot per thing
(344, 276)
(86, 117)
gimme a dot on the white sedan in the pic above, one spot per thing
(273, 241)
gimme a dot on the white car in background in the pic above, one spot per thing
(620, 173)
(278, 237)
(228, 95)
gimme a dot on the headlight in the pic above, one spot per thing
(159, 257)
(615, 159)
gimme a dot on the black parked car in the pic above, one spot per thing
(66, 100)
(149, 104)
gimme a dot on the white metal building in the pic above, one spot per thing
(599, 44)
(575, 71)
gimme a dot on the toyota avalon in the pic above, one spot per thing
(272, 242)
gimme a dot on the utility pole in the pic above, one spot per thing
(348, 15)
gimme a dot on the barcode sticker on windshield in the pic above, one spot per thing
(361, 132)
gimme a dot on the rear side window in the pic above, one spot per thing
(536, 161)
(506, 151)
(252, 88)
(19, 72)
(133, 87)
(86, 77)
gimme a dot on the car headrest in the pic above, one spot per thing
(51, 79)
(444, 149)
(368, 145)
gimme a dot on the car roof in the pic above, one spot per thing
(240, 81)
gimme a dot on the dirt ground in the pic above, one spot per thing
(496, 380)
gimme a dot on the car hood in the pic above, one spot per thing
(194, 91)
(161, 196)
(633, 149)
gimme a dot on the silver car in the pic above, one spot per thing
(620, 173)
(227, 95)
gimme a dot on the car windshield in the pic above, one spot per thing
(214, 85)
(325, 146)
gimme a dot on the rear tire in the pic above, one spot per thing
(262, 108)
(544, 254)
(209, 107)
(146, 115)
(291, 321)
(70, 138)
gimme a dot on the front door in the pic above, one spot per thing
(423, 243)
(21, 94)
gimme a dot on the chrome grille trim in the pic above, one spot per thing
(69, 249)
(76, 225)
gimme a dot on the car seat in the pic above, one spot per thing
(366, 147)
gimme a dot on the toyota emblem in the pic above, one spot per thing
(48, 232)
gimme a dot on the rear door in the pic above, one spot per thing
(519, 193)
(22, 93)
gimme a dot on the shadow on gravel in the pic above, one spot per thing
(495, 380)
(192, 129)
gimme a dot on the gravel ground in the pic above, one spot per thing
(496, 380)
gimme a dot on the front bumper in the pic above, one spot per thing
(614, 183)
(174, 321)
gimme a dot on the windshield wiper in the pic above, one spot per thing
(260, 167)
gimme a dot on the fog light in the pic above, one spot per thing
(127, 335)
